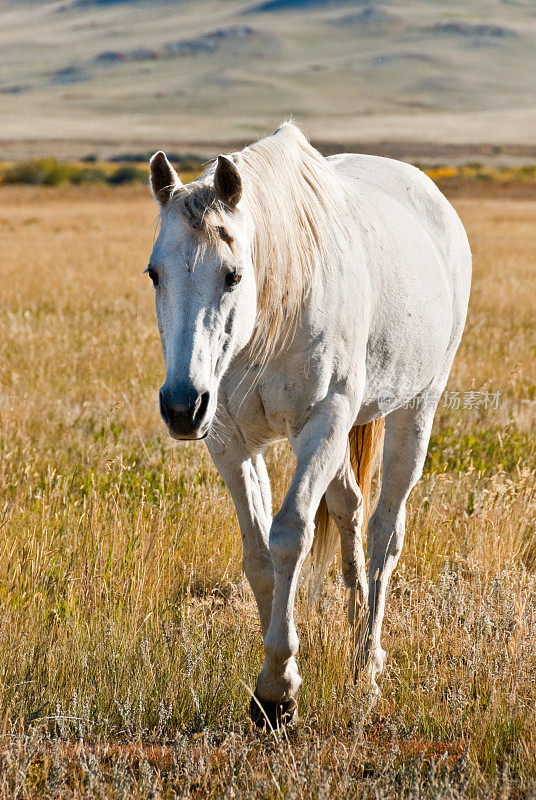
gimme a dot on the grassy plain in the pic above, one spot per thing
(128, 634)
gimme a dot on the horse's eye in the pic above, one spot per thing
(153, 274)
(232, 278)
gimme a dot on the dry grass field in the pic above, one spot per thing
(128, 635)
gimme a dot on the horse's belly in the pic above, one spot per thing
(407, 354)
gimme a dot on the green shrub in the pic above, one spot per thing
(188, 162)
(127, 174)
(90, 175)
(41, 172)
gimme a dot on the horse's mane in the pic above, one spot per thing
(298, 208)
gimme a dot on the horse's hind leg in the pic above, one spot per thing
(345, 504)
(407, 433)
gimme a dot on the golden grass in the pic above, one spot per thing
(483, 172)
(126, 622)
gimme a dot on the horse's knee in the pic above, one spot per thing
(345, 503)
(291, 537)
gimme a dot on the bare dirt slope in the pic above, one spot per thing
(77, 75)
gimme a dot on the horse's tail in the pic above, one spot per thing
(365, 442)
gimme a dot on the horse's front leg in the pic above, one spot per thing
(246, 478)
(319, 448)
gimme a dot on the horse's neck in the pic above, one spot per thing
(329, 313)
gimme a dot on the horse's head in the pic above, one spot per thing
(205, 290)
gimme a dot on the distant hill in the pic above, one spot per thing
(101, 2)
(82, 76)
(291, 5)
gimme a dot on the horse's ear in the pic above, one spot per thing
(227, 182)
(164, 179)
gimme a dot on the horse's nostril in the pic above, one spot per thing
(163, 407)
(201, 407)
(183, 409)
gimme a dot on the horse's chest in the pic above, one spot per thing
(289, 388)
(279, 403)
(268, 412)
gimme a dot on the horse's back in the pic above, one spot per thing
(376, 181)
(417, 260)
(397, 197)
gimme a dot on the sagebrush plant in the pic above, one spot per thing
(129, 638)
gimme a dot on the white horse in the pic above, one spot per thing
(309, 298)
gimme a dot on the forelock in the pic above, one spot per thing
(201, 210)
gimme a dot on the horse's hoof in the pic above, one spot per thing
(266, 714)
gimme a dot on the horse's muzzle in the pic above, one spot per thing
(184, 410)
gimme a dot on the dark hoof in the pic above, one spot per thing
(266, 714)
